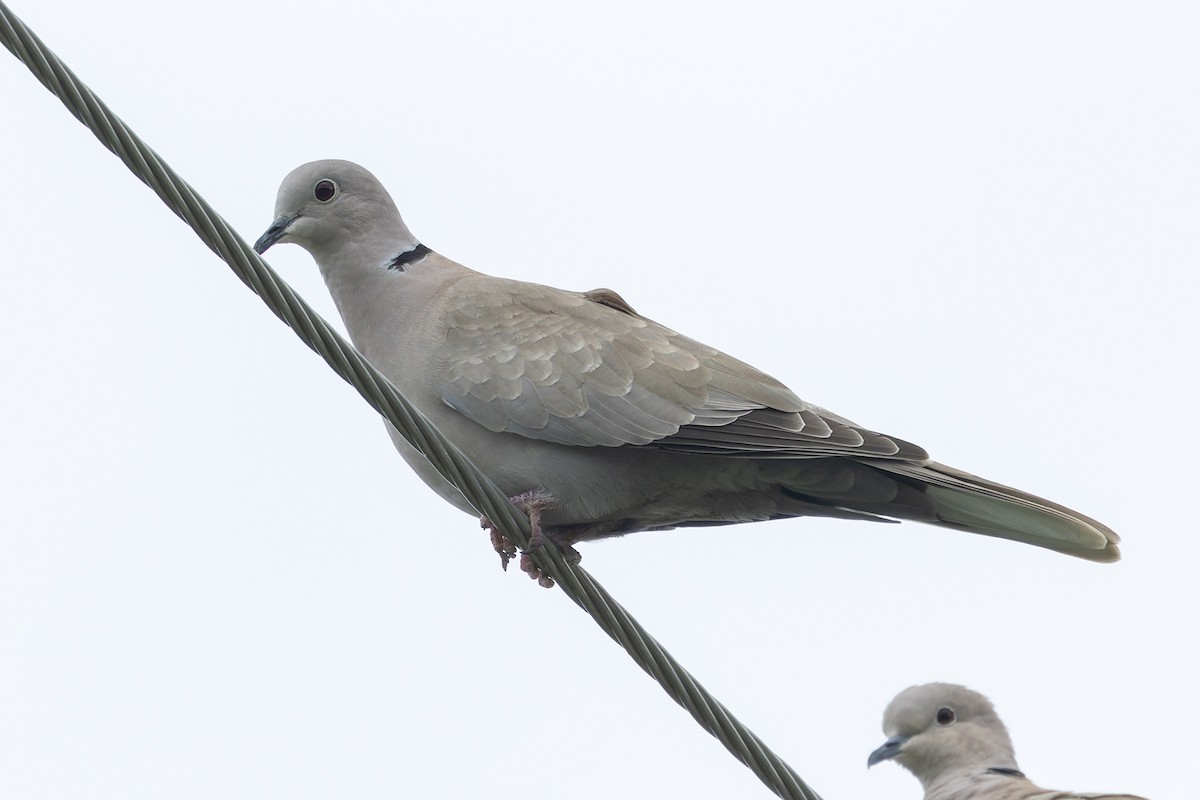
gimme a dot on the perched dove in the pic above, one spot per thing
(598, 421)
(952, 740)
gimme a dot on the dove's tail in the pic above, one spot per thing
(970, 503)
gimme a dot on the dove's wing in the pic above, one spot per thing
(584, 369)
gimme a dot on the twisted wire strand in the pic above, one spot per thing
(575, 582)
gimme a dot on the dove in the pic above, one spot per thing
(951, 738)
(598, 421)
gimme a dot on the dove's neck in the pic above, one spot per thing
(357, 257)
(357, 251)
(943, 763)
(985, 783)
(369, 284)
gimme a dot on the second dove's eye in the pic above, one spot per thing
(324, 190)
(945, 716)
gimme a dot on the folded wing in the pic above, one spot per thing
(584, 369)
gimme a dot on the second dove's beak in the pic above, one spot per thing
(274, 233)
(890, 749)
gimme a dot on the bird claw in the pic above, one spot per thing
(570, 555)
(500, 543)
(534, 572)
(532, 503)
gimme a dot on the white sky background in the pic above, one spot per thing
(972, 228)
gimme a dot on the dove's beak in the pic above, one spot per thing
(277, 231)
(890, 749)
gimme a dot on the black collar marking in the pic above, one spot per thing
(1009, 771)
(409, 256)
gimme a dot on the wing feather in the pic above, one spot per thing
(584, 369)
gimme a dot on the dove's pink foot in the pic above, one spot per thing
(500, 543)
(531, 569)
(532, 504)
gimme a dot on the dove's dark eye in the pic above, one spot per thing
(324, 190)
(945, 716)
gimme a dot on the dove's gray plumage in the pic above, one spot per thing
(951, 738)
(627, 424)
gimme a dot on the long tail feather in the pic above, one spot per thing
(975, 504)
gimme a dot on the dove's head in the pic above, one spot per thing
(326, 206)
(940, 728)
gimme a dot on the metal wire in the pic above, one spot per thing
(575, 582)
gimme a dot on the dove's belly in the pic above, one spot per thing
(606, 491)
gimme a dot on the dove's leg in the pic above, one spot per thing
(532, 504)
